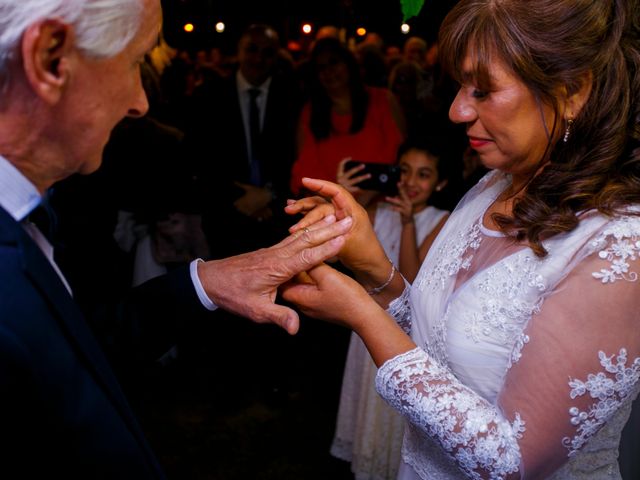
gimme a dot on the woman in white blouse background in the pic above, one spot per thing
(516, 351)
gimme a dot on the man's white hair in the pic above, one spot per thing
(103, 28)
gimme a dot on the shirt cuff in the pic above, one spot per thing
(202, 295)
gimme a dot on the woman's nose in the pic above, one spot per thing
(461, 110)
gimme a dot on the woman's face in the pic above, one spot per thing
(333, 72)
(507, 126)
(418, 176)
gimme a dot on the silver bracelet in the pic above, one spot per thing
(376, 290)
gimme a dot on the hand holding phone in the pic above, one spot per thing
(383, 177)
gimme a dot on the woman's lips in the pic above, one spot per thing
(477, 143)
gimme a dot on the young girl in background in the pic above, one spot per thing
(368, 431)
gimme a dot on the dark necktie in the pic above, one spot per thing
(254, 134)
(44, 218)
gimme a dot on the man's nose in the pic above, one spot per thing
(140, 104)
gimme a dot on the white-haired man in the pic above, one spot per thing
(69, 71)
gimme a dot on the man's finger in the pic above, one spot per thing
(283, 316)
(317, 234)
(303, 259)
(308, 227)
(293, 247)
(313, 217)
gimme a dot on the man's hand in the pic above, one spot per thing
(362, 252)
(247, 284)
(254, 202)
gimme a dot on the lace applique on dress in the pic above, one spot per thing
(451, 258)
(400, 310)
(609, 392)
(470, 429)
(505, 305)
(626, 231)
(436, 344)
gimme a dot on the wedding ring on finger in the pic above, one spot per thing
(301, 232)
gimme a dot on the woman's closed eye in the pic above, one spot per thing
(477, 93)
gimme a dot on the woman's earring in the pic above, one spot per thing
(567, 131)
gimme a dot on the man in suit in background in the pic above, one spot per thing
(69, 71)
(243, 134)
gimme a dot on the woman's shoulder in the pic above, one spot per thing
(621, 226)
(610, 237)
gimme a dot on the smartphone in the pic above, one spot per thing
(384, 177)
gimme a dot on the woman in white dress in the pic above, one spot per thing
(368, 431)
(523, 353)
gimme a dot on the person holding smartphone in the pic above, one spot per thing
(343, 118)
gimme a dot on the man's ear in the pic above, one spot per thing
(46, 47)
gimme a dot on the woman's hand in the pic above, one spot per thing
(402, 204)
(327, 294)
(348, 178)
(362, 252)
(362, 247)
(247, 284)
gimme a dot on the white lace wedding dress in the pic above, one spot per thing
(368, 431)
(524, 366)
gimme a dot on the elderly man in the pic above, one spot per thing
(69, 71)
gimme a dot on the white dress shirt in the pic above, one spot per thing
(19, 197)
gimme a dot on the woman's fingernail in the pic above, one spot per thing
(329, 218)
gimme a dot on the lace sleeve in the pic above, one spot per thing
(473, 431)
(400, 309)
(579, 371)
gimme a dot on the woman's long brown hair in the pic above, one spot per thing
(550, 45)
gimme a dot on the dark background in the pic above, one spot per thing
(287, 16)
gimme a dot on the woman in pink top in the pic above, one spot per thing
(343, 118)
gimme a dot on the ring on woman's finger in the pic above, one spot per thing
(306, 230)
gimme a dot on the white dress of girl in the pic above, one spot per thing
(524, 366)
(368, 431)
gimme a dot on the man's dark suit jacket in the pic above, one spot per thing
(62, 412)
(217, 132)
(216, 140)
